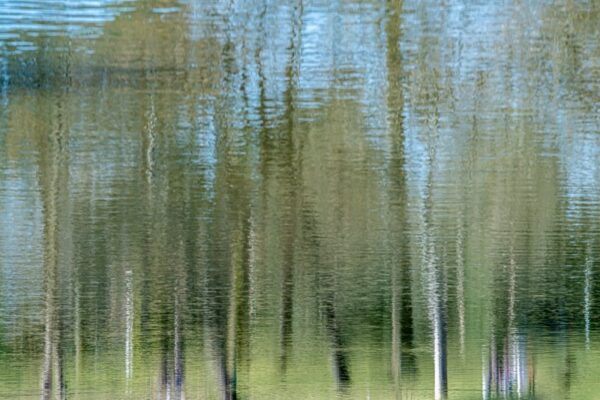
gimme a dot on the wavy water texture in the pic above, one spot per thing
(299, 199)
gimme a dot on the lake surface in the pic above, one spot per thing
(299, 199)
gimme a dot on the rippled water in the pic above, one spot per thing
(303, 199)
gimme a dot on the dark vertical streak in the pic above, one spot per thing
(403, 359)
(292, 176)
(341, 369)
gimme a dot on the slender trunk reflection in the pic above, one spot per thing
(460, 285)
(128, 323)
(52, 180)
(172, 358)
(215, 310)
(341, 369)
(293, 184)
(4, 82)
(178, 350)
(438, 320)
(238, 321)
(403, 359)
(587, 295)
(77, 329)
(228, 278)
(435, 291)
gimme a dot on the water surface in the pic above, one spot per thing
(299, 199)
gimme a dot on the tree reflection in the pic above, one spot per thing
(508, 370)
(249, 184)
(403, 359)
(53, 176)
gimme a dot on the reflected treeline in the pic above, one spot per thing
(239, 199)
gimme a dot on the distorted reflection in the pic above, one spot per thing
(507, 371)
(307, 199)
